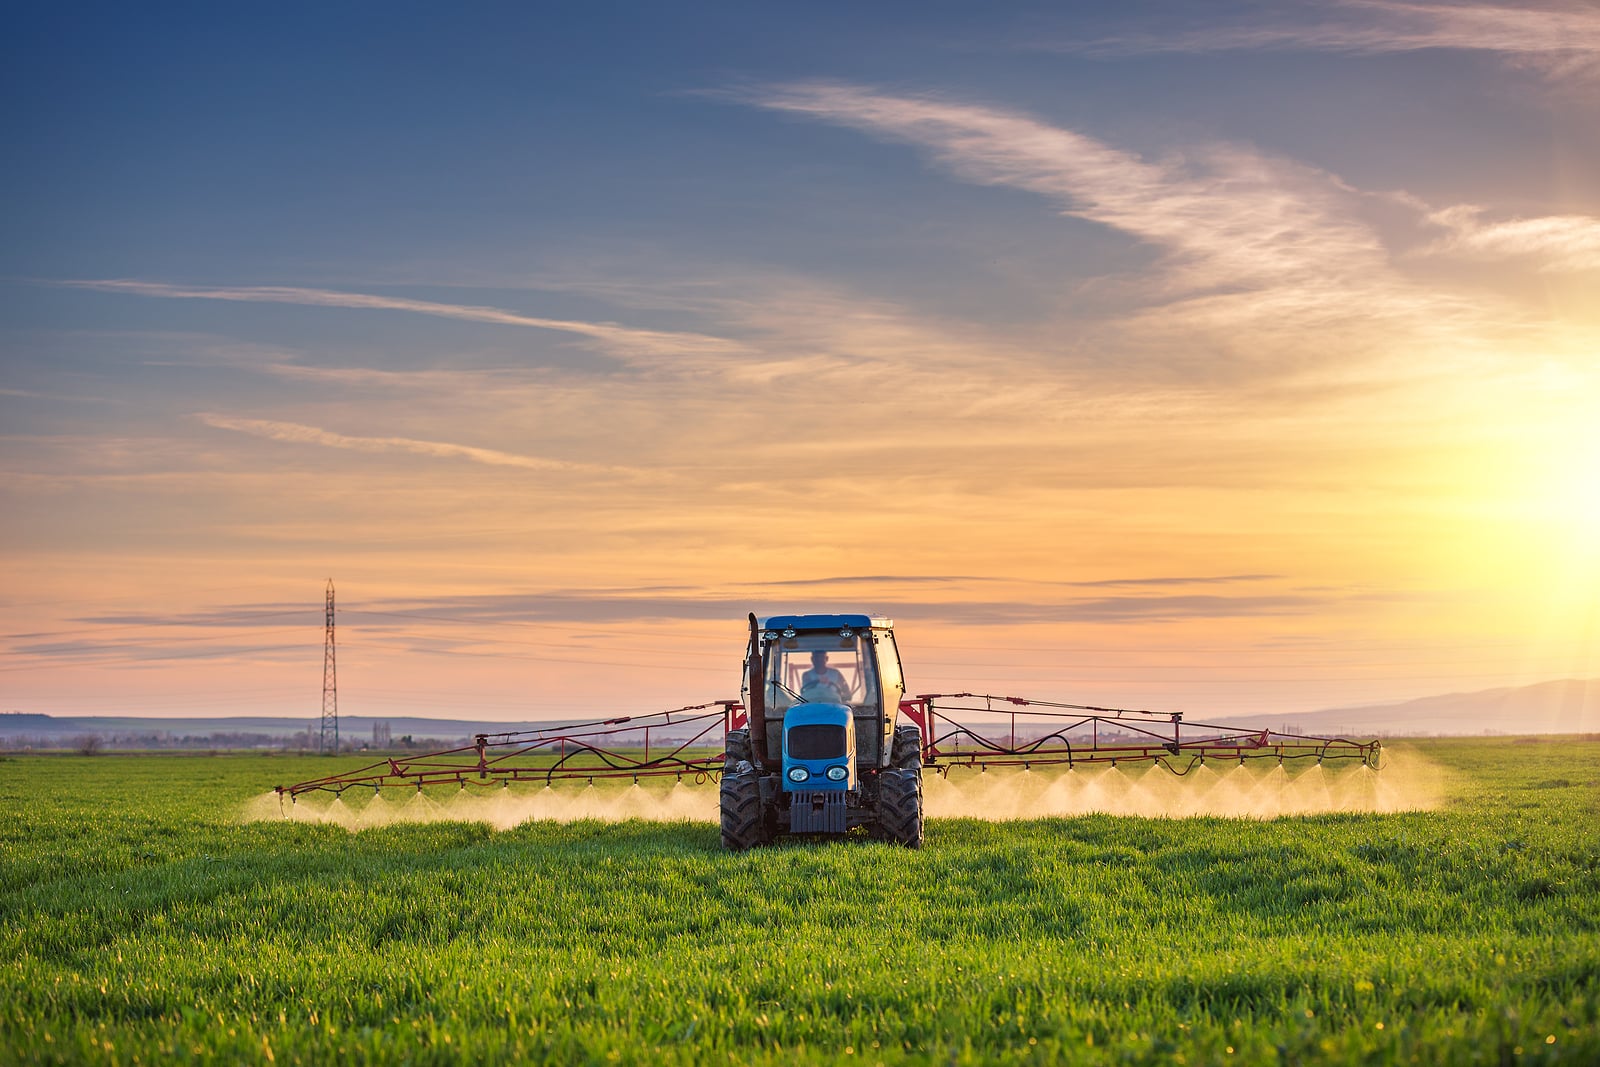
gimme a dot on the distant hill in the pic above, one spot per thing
(1569, 706)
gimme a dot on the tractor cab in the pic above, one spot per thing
(845, 660)
(822, 753)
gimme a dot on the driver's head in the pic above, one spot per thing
(819, 659)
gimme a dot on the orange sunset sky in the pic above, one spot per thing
(1225, 364)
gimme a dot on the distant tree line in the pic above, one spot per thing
(93, 743)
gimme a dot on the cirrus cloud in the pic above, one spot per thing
(1554, 242)
(623, 341)
(1259, 254)
(1560, 42)
(298, 433)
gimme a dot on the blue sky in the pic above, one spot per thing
(967, 312)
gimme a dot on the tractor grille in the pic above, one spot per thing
(818, 813)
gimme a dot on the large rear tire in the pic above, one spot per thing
(736, 749)
(900, 806)
(907, 750)
(744, 824)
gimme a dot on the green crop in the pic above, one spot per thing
(142, 921)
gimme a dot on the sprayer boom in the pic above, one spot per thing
(982, 730)
(825, 740)
(957, 730)
(685, 741)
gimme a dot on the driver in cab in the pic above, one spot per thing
(823, 684)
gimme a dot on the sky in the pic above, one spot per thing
(1230, 358)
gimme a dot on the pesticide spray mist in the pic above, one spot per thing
(1407, 782)
(361, 809)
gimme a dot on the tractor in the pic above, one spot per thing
(823, 752)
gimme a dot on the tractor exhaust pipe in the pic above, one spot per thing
(756, 666)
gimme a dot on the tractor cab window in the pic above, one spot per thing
(820, 668)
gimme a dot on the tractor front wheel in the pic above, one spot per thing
(744, 824)
(900, 806)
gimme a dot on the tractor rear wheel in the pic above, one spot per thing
(900, 806)
(744, 824)
(907, 750)
(735, 749)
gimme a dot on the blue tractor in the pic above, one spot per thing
(822, 753)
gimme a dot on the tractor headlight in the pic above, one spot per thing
(798, 774)
(838, 774)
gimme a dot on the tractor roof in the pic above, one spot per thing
(826, 622)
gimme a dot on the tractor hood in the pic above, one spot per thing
(819, 741)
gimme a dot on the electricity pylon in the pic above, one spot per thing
(330, 687)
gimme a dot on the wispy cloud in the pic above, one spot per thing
(976, 580)
(1231, 216)
(1554, 242)
(297, 433)
(623, 341)
(437, 380)
(611, 607)
(1259, 254)
(1560, 42)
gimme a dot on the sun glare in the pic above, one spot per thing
(1561, 481)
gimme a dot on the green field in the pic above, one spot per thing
(143, 921)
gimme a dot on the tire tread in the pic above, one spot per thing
(900, 806)
(744, 823)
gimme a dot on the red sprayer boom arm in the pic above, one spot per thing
(958, 729)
